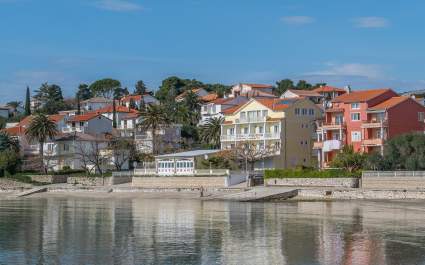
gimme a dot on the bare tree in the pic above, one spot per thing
(122, 151)
(248, 153)
(91, 155)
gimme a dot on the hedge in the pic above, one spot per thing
(308, 173)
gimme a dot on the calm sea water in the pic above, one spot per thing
(161, 231)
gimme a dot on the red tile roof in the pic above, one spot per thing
(15, 131)
(118, 108)
(274, 104)
(329, 89)
(209, 97)
(233, 109)
(84, 117)
(131, 97)
(219, 101)
(305, 93)
(27, 120)
(389, 103)
(131, 116)
(360, 95)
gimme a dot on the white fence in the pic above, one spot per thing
(366, 174)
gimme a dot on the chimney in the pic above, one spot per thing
(348, 89)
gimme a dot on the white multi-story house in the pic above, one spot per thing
(139, 100)
(215, 108)
(168, 138)
(95, 103)
(251, 89)
(128, 125)
(120, 112)
(282, 128)
(89, 123)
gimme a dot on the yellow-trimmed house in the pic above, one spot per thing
(285, 127)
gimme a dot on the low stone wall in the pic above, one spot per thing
(360, 194)
(179, 182)
(393, 183)
(313, 182)
(52, 179)
(96, 181)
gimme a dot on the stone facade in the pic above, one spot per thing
(314, 182)
(51, 179)
(96, 181)
(393, 183)
(179, 182)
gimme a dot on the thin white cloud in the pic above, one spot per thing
(370, 22)
(372, 71)
(297, 20)
(118, 5)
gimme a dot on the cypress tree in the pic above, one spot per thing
(28, 102)
(78, 104)
(114, 114)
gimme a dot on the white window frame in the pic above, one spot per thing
(355, 105)
(356, 139)
(354, 113)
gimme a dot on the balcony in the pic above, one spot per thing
(248, 137)
(333, 125)
(317, 145)
(251, 119)
(373, 142)
(374, 124)
(331, 145)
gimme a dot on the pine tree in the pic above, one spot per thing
(28, 103)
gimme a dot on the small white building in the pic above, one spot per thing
(91, 123)
(139, 100)
(95, 103)
(183, 163)
(215, 108)
(245, 89)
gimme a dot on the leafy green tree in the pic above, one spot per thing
(40, 129)
(282, 86)
(304, 85)
(120, 92)
(406, 152)
(51, 98)
(9, 162)
(219, 89)
(140, 88)
(349, 160)
(153, 118)
(7, 142)
(210, 132)
(376, 161)
(84, 92)
(104, 87)
(27, 102)
(170, 86)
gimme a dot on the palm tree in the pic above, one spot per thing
(153, 118)
(211, 130)
(40, 129)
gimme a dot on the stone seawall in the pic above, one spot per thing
(179, 182)
(393, 183)
(360, 194)
(313, 182)
(96, 181)
(51, 179)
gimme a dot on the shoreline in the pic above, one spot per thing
(216, 194)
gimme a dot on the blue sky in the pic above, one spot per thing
(362, 43)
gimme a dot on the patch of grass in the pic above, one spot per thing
(310, 173)
(24, 178)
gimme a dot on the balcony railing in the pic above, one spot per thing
(374, 123)
(245, 137)
(251, 119)
(330, 145)
(333, 125)
(373, 142)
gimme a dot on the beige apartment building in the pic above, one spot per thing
(284, 127)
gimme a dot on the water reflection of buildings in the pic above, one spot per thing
(135, 231)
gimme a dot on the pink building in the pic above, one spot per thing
(366, 119)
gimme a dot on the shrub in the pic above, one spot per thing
(309, 173)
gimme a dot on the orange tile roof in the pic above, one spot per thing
(15, 131)
(84, 117)
(221, 100)
(329, 89)
(389, 103)
(233, 109)
(118, 108)
(360, 95)
(27, 120)
(131, 97)
(182, 95)
(257, 93)
(274, 104)
(305, 93)
(209, 97)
